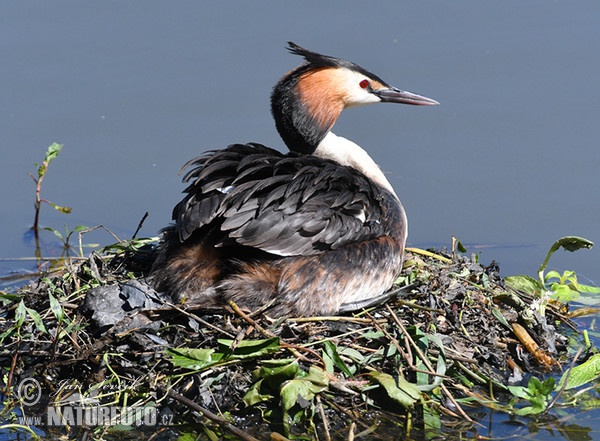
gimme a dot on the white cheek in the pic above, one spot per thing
(362, 98)
(356, 95)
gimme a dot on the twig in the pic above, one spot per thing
(139, 227)
(428, 254)
(323, 418)
(428, 365)
(566, 380)
(351, 431)
(292, 348)
(199, 320)
(211, 416)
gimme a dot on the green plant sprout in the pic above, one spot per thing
(562, 287)
(51, 153)
(536, 392)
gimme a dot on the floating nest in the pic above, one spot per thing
(93, 334)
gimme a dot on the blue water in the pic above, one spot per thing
(508, 162)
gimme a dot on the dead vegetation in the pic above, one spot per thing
(416, 365)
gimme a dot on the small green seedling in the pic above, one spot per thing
(42, 169)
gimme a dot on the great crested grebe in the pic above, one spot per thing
(316, 231)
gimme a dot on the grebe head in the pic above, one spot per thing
(307, 101)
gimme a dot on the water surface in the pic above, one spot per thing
(508, 162)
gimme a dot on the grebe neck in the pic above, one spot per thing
(345, 152)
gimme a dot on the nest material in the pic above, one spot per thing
(457, 333)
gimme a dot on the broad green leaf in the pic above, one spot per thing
(496, 312)
(6, 298)
(250, 348)
(282, 373)
(563, 293)
(569, 243)
(305, 387)
(270, 378)
(441, 365)
(373, 335)
(572, 243)
(524, 283)
(254, 396)
(552, 274)
(404, 393)
(192, 358)
(519, 392)
(187, 436)
(529, 410)
(589, 289)
(582, 374)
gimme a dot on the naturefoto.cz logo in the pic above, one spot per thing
(78, 410)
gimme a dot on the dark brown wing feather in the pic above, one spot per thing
(287, 205)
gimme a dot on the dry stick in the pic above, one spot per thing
(351, 431)
(292, 348)
(211, 416)
(139, 227)
(339, 318)
(199, 320)
(562, 389)
(427, 364)
(428, 254)
(324, 418)
(532, 347)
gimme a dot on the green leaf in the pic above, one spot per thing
(53, 151)
(582, 374)
(529, 410)
(285, 372)
(573, 243)
(249, 348)
(525, 284)
(305, 387)
(563, 293)
(254, 396)
(404, 393)
(569, 243)
(589, 289)
(20, 314)
(37, 319)
(440, 366)
(62, 209)
(331, 350)
(56, 309)
(55, 232)
(519, 391)
(79, 228)
(194, 359)
(552, 274)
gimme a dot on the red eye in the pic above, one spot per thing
(364, 84)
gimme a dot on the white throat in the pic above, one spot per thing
(345, 152)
